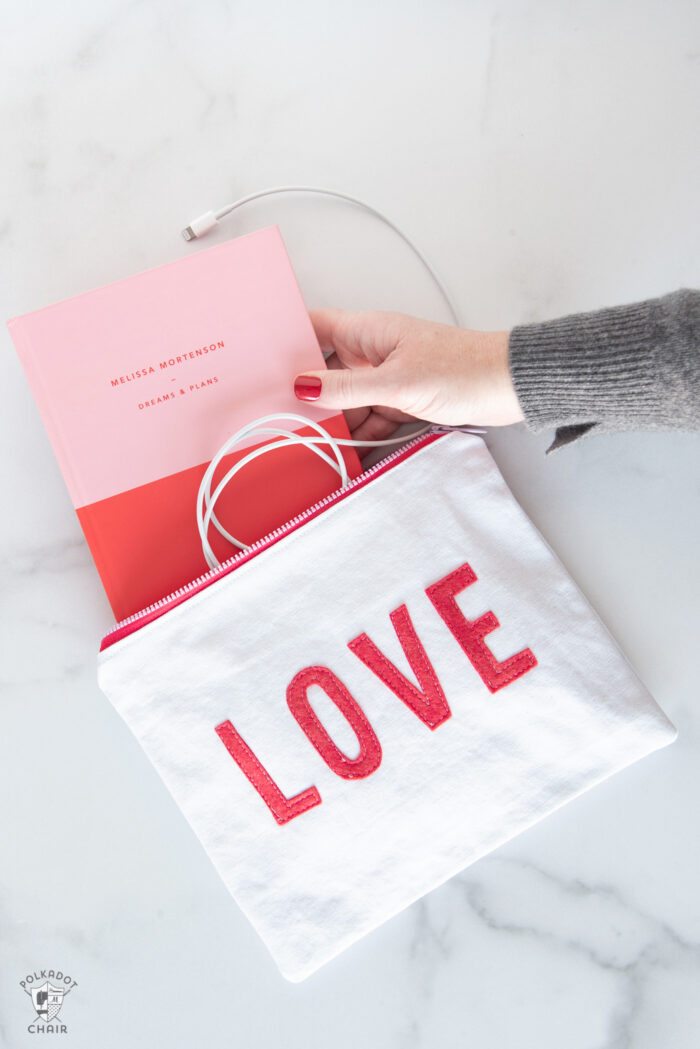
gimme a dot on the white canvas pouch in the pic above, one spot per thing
(375, 696)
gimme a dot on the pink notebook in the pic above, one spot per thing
(141, 381)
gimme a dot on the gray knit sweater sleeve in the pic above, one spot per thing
(634, 367)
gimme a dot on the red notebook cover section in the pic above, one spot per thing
(141, 381)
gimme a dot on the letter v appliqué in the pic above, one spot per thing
(428, 702)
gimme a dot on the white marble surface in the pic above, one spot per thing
(545, 156)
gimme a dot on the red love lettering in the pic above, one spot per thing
(370, 755)
(282, 808)
(428, 701)
(470, 633)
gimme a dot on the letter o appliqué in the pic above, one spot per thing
(370, 756)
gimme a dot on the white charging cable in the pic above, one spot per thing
(199, 226)
(206, 499)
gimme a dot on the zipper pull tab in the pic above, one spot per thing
(439, 428)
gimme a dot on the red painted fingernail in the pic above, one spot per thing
(307, 387)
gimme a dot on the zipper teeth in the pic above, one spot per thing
(266, 540)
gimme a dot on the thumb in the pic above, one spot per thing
(347, 387)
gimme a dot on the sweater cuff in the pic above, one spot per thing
(566, 434)
(586, 369)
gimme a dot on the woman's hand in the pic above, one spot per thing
(388, 368)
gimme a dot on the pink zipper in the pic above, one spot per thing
(165, 604)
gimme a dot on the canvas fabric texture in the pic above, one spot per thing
(521, 700)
